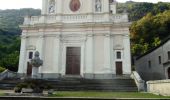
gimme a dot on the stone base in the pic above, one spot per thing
(49, 75)
(105, 76)
(86, 76)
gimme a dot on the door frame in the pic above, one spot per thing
(121, 67)
(67, 67)
(64, 54)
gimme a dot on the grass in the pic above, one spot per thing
(106, 94)
(1, 93)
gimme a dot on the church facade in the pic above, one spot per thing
(85, 38)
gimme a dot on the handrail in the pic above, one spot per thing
(7, 74)
(138, 80)
(4, 74)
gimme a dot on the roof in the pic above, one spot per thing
(151, 50)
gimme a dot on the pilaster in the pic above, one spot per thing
(40, 49)
(107, 55)
(44, 7)
(89, 54)
(56, 54)
(127, 56)
(22, 58)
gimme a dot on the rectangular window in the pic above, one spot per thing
(160, 60)
(149, 64)
(30, 55)
(118, 55)
(168, 55)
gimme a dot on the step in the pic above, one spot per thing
(78, 84)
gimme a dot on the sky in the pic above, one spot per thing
(17, 4)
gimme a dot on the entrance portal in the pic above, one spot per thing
(169, 73)
(119, 68)
(73, 60)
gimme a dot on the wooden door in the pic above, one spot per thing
(73, 61)
(119, 70)
(29, 69)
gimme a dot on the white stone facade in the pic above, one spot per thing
(100, 35)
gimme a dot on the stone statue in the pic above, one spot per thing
(52, 6)
(98, 6)
(36, 62)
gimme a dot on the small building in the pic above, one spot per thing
(84, 38)
(155, 64)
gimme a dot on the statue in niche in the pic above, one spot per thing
(52, 6)
(98, 6)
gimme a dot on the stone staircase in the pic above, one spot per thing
(80, 84)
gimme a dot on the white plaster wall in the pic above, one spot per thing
(48, 55)
(99, 54)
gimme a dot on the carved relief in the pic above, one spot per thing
(75, 5)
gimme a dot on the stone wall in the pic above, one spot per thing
(161, 87)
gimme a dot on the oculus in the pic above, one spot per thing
(75, 5)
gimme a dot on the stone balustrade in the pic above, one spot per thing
(139, 82)
(78, 18)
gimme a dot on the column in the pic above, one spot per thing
(89, 55)
(107, 54)
(44, 7)
(56, 55)
(59, 9)
(127, 55)
(22, 58)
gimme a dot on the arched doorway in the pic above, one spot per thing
(169, 73)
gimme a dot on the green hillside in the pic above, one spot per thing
(9, 35)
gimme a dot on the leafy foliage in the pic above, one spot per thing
(149, 31)
(9, 36)
(137, 10)
(2, 69)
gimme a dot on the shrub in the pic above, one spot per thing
(2, 69)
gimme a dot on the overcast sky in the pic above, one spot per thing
(16, 4)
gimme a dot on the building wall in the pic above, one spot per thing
(156, 71)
